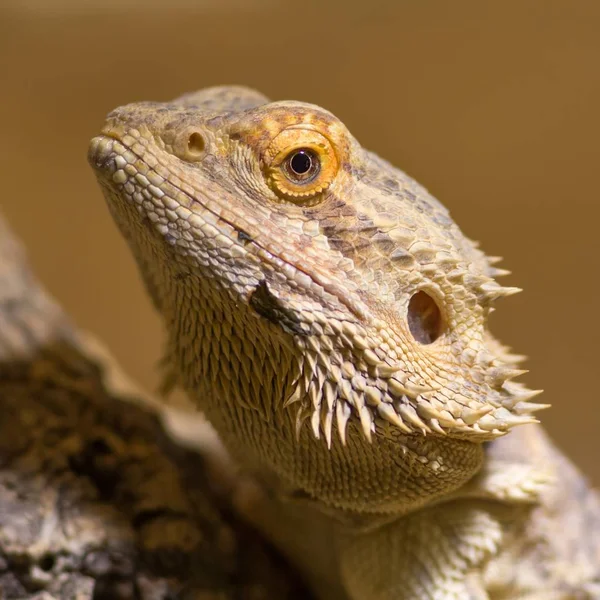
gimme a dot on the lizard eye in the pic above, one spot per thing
(300, 165)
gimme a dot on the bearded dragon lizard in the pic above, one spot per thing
(330, 320)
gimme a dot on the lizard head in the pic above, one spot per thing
(309, 287)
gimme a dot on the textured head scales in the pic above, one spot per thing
(304, 280)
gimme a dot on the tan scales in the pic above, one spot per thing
(330, 319)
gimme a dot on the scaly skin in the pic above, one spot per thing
(329, 318)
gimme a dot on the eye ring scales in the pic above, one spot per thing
(300, 164)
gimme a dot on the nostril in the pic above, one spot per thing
(424, 318)
(187, 143)
(195, 144)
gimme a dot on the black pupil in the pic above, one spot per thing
(301, 162)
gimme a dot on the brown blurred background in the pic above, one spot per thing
(494, 106)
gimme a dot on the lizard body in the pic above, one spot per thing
(330, 319)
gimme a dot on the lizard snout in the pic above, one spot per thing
(101, 153)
